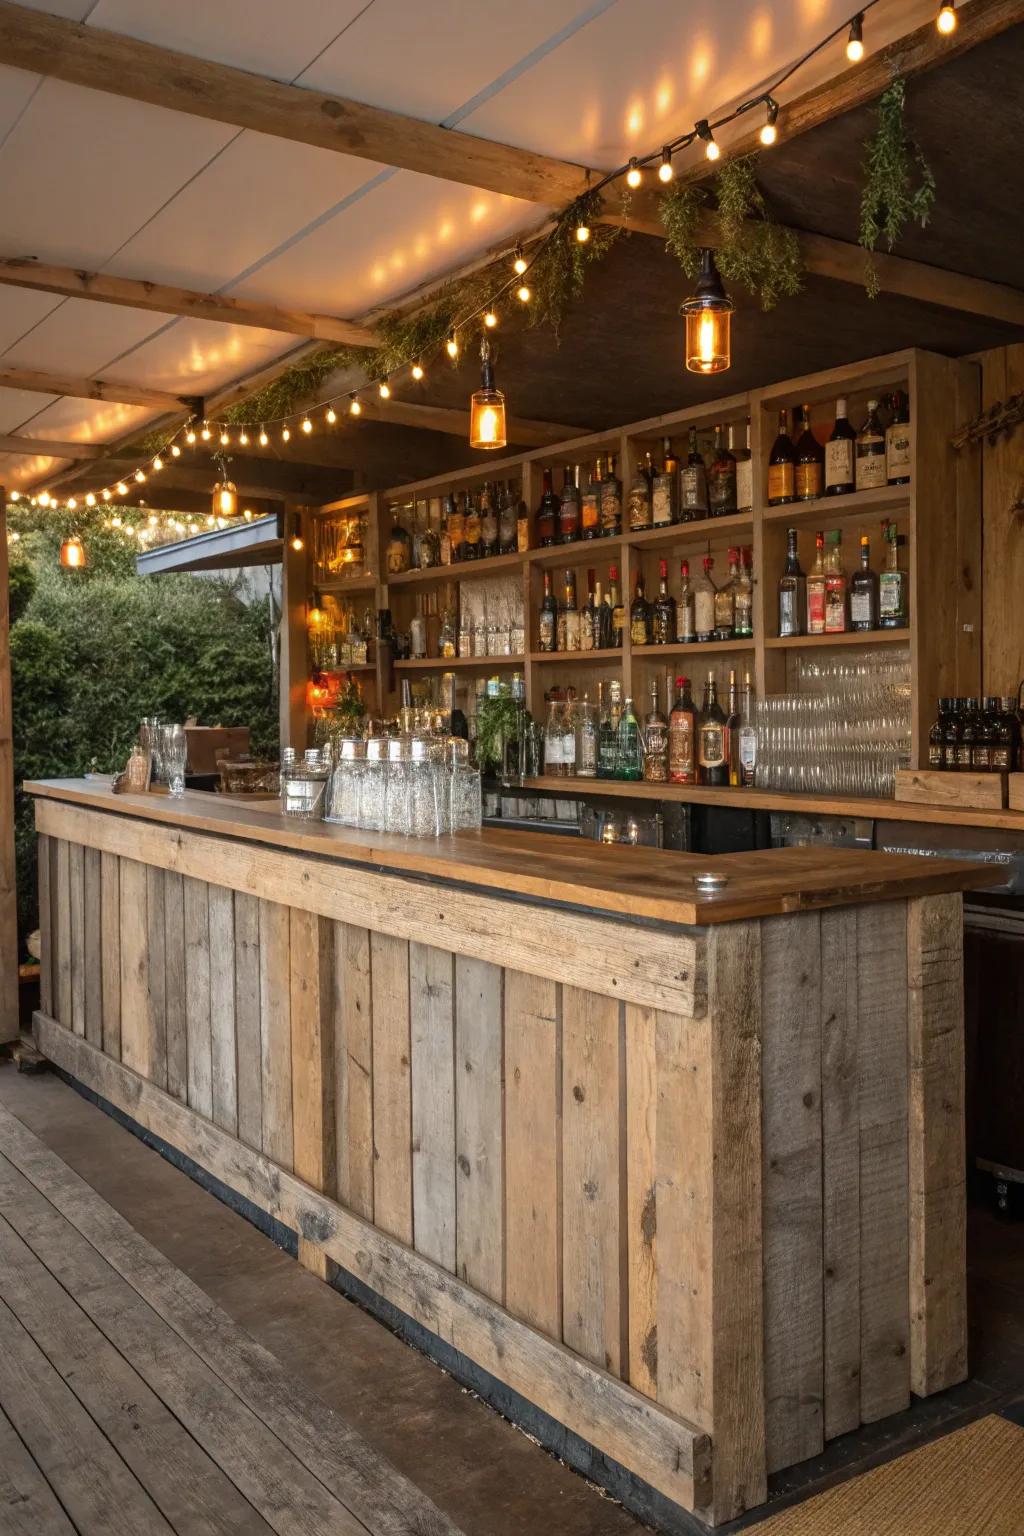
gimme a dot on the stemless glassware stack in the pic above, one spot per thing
(416, 785)
(845, 732)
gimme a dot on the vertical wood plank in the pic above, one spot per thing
(175, 1010)
(62, 929)
(840, 1128)
(791, 1043)
(533, 1151)
(312, 1016)
(223, 1060)
(593, 1253)
(938, 1195)
(884, 1172)
(392, 1099)
(135, 1037)
(353, 1061)
(157, 978)
(46, 955)
(642, 1197)
(247, 1019)
(480, 1245)
(9, 1024)
(196, 904)
(275, 1033)
(93, 949)
(432, 1026)
(76, 878)
(110, 925)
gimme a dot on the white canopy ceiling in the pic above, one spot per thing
(95, 181)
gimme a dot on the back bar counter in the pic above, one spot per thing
(684, 1172)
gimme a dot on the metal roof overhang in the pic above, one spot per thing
(222, 549)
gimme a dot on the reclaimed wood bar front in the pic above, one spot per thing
(685, 1172)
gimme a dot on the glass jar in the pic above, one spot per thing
(423, 789)
(343, 790)
(373, 779)
(396, 795)
(464, 794)
(303, 786)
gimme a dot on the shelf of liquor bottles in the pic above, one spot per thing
(848, 637)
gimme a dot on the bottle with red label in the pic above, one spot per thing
(816, 589)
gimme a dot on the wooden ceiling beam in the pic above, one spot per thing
(139, 293)
(125, 66)
(51, 448)
(89, 389)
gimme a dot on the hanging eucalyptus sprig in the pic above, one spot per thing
(898, 181)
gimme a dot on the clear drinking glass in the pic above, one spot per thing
(373, 779)
(343, 789)
(423, 789)
(149, 741)
(465, 796)
(173, 757)
(396, 798)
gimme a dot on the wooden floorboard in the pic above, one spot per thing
(279, 1445)
(28, 1505)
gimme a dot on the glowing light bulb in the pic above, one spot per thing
(523, 294)
(105, 494)
(264, 439)
(330, 416)
(175, 451)
(665, 171)
(15, 496)
(72, 503)
(490, 319)
(190, 436)
(285, 434)
(855, 41)
(384, 390)
(140, 476)
(205, 434)
(634, 176)
(946, 20)
(45, 498)
(452, 346)
(307, 425)
(582, 233)
(224, 439)
(90, 500)
(711, 149)
(417, 371)
(243, 438)
(769, 133)
(354, 407)
(519, 265)
(158, 462)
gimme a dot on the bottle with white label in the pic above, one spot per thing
(744, 467)
(840, 478)
(898, 441)
(704, 591)
(871, 470)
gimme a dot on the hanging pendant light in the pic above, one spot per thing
(708, 314)
(487, 407)
(72, 553)
(225, 492)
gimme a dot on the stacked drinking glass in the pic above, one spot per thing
(418, 785)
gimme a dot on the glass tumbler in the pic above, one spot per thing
(173, 757)
(343, 791)
(396, 797)
(423, 788)
(373, 780)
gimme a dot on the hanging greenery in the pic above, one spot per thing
(750, 249)
(898, 181)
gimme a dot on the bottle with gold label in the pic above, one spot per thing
(664, 486)
(810, 463)
(655, 741)
(681, 736)
(590, 503)
(782, 466)
(640, 496)
(870, 452)
(611, 502)
(640, 615)
(898, 442)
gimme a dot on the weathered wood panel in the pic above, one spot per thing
(157, 981)
(62, 928)
(480, 1257)
(247, 1020)
(93, 948)
(175, 971)
(642, 1083)
(223, 1049)
(135, 1031)
(533, 1151)
(276, 1032)
(76, 877)
(110, 898)
(353, 1012)
(314, 1154)
(392, 1107)
(46, 950)
(197, 995)
(432, 1024)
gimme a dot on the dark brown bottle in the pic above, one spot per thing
(968, 735)
(721, 479)
(546, 523)
(936, 737)
(640, 615)
(569, 506)
(548, 617)
(663, 614)
(782, 466)
(840, 467)
(810, 463)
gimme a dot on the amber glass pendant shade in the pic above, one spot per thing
(708, 315)
(225, 499)
(72, 553)
(487, 407)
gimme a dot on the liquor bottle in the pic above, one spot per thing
(432, 618)
(604, 634)
(457, 528)
(522, 527)
(816, 589)
(447, 511)
(732, 731)
(864, 591)
(836, 618)
(655, 742)
(725, 601)
(898, 441)
(721, 479)
(810, 463)
(870, 452)
(792, 591)
(588, 615)
(629, 751)
(429, 550)
(951, 736)
(611, 502)
(569, 506)
(743, 598)
(782, 466)
(507, 518)
(618, 607)
(744, 467)
(547, 513)
(840, 478)
(936, 737)
(547, 618)
(418, 631)
(704, 602)
(1004, 738)
(892, 583)
(747, 751)
(640, 614)
(682, 736)
(448, 640)
(664, 488)
(685, 626)
(586, 738)
(571, 615)
(981, 756)
(471, 548)
(663, 616)
(608, 733)
(712, 767)
(398, 554)
(555, 765)
(968, 731)
(590, 504)
(640, 496)
(488, 521)
(693, 484)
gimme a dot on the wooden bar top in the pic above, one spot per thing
(644, 883)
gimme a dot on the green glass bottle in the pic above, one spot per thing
(629, 752)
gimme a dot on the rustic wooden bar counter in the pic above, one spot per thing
(684, 1172)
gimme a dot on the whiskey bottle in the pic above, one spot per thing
(951, 736)
(725, 601)
(640, 496)
(839, 464)
(569, 506)
(604, 632)
(629, 752)
(611, 502)
(743, 598)
(663, 616)
(968, 732)
(816, 589)
(685, 628)
(835, 585)
(664, 488)
(782, 466)
(571, 615)
(590, 504)
(447, 513)
(810, 463)
(744, 467)
(732, 731)
(681, 736)
(523, 532)
(898, 441)
(936, 737)
(655, 742)
(892, 583)
(640, 615)
(588, 615)
(693, 484)
(871, 470)
(981, 756)
(712, 767)
(792, 591)
(704, 602)
(721, 479)
(618, 607)
(471, 547)
(457, 528)
(507, 520)
(547, 513)
(1004, 737)
(864, 591)
(488, 521)
(547, 618)
(747, 751)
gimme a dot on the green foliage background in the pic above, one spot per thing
(93, 651)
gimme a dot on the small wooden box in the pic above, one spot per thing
(1016, 792)
(970, 791)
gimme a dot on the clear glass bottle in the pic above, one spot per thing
(743, 598)
(629, 754)
(704, 591)
(418, 631)
(608, 733)
(507, 517)
(836, 611)
(655, 741)
(816, 589)
(747, 748)
(685, 624)
(555, 765)
(586, 739)
(792, 591)
(448, 640)
(693, 484)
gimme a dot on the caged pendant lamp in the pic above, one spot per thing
(708, 314)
